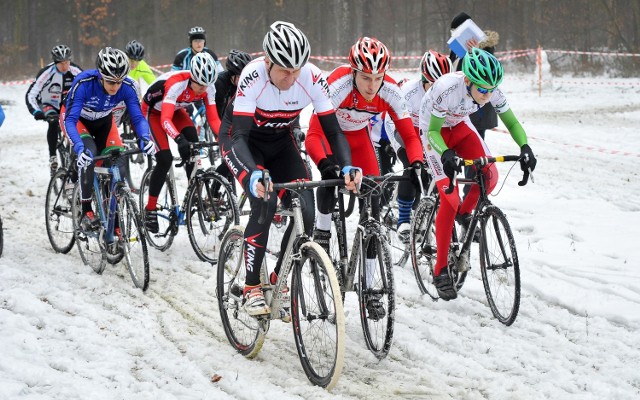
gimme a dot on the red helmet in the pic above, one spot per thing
(369, 55)
(433, 65)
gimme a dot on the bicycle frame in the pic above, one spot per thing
(107, 215)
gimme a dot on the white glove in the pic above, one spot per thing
(84, 160)
(148, 147)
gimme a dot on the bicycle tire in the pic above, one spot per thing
(1, 237)
(318, 316)
(211, 209)
(423, 246)
(167, 219)
(378, 331)
(58, 213)
(334, 250)
(133, 241)
(499, 265)
(90, 244)
(242, 330)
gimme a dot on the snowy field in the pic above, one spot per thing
(67, 333)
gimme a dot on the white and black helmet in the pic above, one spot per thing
(112, 64)
(197, 32)
(286, 45)
(203, 69)
(134, 50)
(60, 53)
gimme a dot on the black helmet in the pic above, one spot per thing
(60, 53)
(197, 32)
(134, 50)
(236, 61)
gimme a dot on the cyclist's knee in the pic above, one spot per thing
(164, 158)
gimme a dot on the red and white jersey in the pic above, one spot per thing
(273, 109)
(353, 111)
(172, 91)
(448, 98)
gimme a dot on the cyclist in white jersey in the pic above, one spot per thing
(444, 118)
(256, 133)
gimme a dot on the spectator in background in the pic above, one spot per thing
(45, 95)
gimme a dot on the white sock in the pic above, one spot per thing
(323, 221)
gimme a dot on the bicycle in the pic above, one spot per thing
(315, 303)
(208, 209)
(58, 209)
(120, 234)
(499, 264)
(63, 146)
(136, 163)
(375, 280)
(205, 134)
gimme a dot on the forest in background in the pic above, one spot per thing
(30, 28)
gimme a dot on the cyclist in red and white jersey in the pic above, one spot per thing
(272, 91)
(432, 66)
(444, 117)
(358, 92)
(165, 105)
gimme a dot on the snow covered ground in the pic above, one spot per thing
(67, 333)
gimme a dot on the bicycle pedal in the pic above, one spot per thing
(285, 315)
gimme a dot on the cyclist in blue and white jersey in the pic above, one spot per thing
(197, 44)
(88, 119)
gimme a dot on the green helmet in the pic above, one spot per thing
(482, 68)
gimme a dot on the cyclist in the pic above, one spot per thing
(444, 117)
(432, 66)
(88, 121)
(227, 82)
(45, 95)
(272, 91)
(197, 44)
(140, 71)
(1, 115)
(165, 105)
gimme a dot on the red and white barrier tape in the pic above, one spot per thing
(577, 145)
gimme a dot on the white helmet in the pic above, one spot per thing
(286, 45)
(112, 63)
(203, 69)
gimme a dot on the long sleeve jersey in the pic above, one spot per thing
(50, 87)
(87, 100)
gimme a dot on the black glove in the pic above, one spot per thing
(450, 163)
(328, 170)
(38, 115)
(184, 148)
(385, 145)
(528, 161)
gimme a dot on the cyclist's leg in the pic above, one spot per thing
(406, 197)
(184, 125)
(52, 137)
(163, 159)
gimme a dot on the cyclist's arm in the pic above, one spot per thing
(33, 93)
(75, 99)
(411, 140)
(241, 127)
(178, 62)
(212, 112)
(339, 144)
(314, 141)
(516, 130)
(435, 137)
(1, 115)
(141, 126)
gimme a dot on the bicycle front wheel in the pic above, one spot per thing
(499, 265)
(423, 246)
(167, 219)
(90, 243)
(211, 210)
(318, 316)
(132, 240)
(243, 331)
(376, 295)
(58, 216)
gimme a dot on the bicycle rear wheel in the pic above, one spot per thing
(133, 241)
(499, 265)
(243, 331)
(58, 215)
(376, 295)
(90, 243)
(423, 245)
(212, 209)
(318, 316)
(167, 218)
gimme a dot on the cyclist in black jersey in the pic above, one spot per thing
(272, 91)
